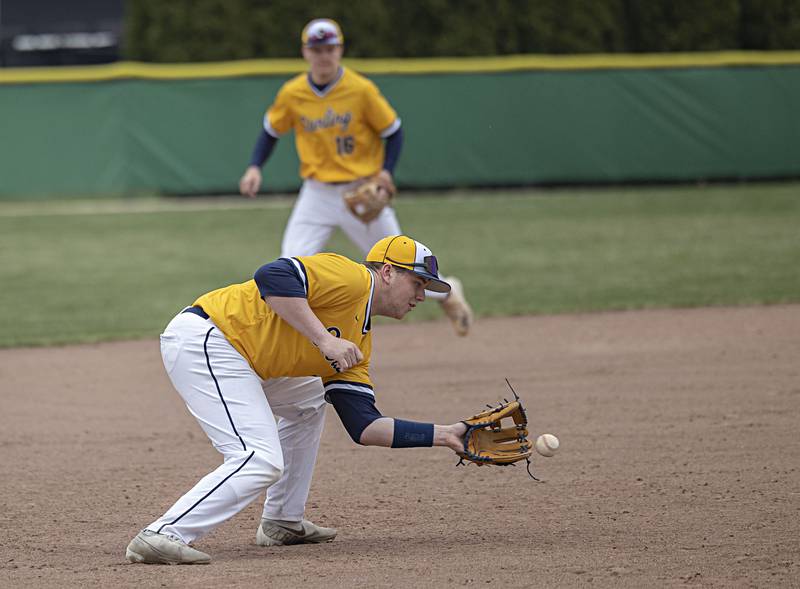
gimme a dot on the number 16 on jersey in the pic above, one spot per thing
(345, 144)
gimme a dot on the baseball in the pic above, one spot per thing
(546, 445)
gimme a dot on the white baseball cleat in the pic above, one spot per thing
(150, 547)
(282, 533)
(456, 307)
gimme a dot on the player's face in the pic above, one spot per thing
(406, 291)
(323, 61)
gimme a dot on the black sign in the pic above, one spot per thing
(54, 32)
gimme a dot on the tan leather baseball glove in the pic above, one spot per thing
(488, 441)
(368, 199)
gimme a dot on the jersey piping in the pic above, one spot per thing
(391, 129)
(368, 311)
(270, 129)
(301, 272)
(350, 387)
(327, 89)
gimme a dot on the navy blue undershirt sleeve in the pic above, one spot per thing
(394, 143)
(355, 410)
(263, 148)
(280, 279)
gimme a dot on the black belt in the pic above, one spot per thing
(197, 311)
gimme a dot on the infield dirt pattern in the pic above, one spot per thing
(679, 465)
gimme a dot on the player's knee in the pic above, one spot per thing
(266, 467)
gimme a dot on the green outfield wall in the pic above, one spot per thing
(132, 128)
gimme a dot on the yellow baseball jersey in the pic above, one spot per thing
(338, 133)
(339, 292)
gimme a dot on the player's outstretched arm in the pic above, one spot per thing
(368, 427)
(381, 432)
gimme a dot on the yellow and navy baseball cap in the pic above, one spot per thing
(322, 31)
(404, 252)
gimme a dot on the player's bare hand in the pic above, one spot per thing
(250, 181)
(452, 436)
(341, 353)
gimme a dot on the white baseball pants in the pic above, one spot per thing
(236, 409)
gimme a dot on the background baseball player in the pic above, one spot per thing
(299, 316)
(340, 120)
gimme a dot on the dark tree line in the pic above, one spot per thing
(211, 30)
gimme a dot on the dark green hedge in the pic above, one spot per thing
(212, 30)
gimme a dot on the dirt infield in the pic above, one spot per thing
(680, 462)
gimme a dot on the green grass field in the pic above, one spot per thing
(83, 271)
